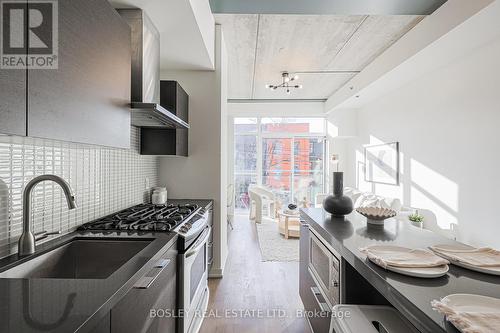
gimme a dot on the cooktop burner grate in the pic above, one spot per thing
(145, 217)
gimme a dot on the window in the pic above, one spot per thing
(245, 159)
(286, 155)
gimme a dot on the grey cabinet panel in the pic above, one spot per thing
(132, 313)
(104, 325)
(13, 101)
(87, 98)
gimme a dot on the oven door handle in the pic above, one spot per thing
(199, 243)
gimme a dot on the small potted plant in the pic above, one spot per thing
(416, 219)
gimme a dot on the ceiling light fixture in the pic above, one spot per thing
(285, 83)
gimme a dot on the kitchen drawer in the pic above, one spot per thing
(132, 313)
(103, 326)
(316, 306)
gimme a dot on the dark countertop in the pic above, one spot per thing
(200, 202)
(411, 296)
(72, 305)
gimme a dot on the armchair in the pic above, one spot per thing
(261, 197)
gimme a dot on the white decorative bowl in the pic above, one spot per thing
(376, 215)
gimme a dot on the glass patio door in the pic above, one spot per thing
(293, 168)
(287, 155)
(277, 166)
(308, 172)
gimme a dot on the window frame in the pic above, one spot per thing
(260, 136)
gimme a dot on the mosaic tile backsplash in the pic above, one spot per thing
(103, 179)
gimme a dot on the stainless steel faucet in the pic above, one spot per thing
(26, 244)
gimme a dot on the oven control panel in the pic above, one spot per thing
(195, 224)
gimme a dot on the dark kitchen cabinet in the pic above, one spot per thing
(174, 99)
(314, 302)
(86, 99)
(103, 326)
(168, 141)
(132, 313)
(13, 101)
(12, 86)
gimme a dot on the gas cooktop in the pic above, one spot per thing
(145, 217)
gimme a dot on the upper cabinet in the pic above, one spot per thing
(13, 101)
(168, 141)
(84, 95)
(86, 99)
(12, 78)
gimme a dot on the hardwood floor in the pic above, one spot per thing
(244, 300)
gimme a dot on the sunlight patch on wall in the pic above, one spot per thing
(444, 217)
(332, 129)
(440, 188)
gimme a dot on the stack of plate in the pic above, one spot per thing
(484, 260)
(470, 313)
(412, 262)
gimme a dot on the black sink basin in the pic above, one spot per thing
(79, 259)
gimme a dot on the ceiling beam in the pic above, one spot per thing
(431, 29)
(269, 100)
(326, 7)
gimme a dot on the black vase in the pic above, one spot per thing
(338, 204)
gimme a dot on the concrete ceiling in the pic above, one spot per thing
(326, 51)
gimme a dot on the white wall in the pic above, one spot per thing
(341, 129)
(447, 122)
(222, 83)
(206, 25)
(203, 173)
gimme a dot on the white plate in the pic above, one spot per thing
(486, 270)
(421, 272)
(472, 303)
(461, 303)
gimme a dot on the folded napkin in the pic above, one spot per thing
(401, 257)
(470, 321)
(481, 257)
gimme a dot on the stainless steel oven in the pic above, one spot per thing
(324, 267)
(194, 281)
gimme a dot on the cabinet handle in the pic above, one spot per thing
(335, 284)
(146, 281)
(322, 305)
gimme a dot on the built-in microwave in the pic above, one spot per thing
(324, 266)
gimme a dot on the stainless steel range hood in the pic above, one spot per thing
(145, 90)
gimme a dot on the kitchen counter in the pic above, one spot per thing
(73, 305)
(206, 203)
(411, 296)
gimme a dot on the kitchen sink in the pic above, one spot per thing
(79, 259)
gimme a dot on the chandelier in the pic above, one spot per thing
(286, 83)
